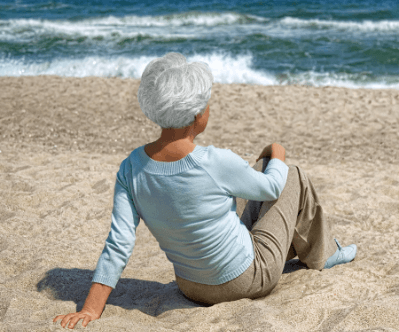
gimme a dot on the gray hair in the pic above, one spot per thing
(172, 92)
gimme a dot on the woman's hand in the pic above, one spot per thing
(274, 150)
(74, 318)
(92, 309)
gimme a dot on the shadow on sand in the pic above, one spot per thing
(294, 265)
(150, 297)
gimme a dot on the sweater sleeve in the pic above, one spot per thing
(121, 239)
(234, 175)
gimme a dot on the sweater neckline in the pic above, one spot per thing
(190, 161)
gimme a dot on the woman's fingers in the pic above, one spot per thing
(86, 321)
(72, 319)
(66, 319)
(58, 317)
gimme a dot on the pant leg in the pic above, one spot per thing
(292, 224)
(248, 211)
(273, 232)
(312, 239)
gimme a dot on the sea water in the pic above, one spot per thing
(318, 43)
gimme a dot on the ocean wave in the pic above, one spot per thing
(172, 20)
(181, 19)
(32, 7)
(185, 25)
(345, 80)
(363, 26)
(88, 66)
(191, 19)
(23, 30)
(225, 69)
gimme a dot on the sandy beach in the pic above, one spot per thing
(62, 140)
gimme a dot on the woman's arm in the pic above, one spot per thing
(121, 238)
(238, 179)
(92, 309)
(114, 257)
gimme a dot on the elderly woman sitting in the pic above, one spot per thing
(187, 196)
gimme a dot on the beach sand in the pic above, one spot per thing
(62, 140)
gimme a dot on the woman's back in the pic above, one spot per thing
(191, 216)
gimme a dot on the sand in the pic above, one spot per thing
(62, 140)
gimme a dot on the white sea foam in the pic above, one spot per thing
(88, 66)
(225, 69)
(97, 25)
(25, 29)
(345, 80)
(197, 19)
(185, 25)
(365, 26)
(167, 27)
(188, 18)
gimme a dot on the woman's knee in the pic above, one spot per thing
(261, 164)
(298, 171)
(293, 168)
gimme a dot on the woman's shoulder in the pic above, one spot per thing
(131, 160)
(222, 158)
(225, 153)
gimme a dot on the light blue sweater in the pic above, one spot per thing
(189, 206)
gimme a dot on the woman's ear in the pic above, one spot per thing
(198, 116)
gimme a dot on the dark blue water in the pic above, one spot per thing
(338, 43)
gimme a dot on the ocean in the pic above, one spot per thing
(315, 43)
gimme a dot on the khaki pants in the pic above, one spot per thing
(280, 230)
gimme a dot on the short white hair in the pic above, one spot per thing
(172, 92)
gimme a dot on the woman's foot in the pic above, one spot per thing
(342, 255)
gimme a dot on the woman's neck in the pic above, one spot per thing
(174, 144)
(169, 151)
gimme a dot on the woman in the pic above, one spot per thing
(188, 194)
